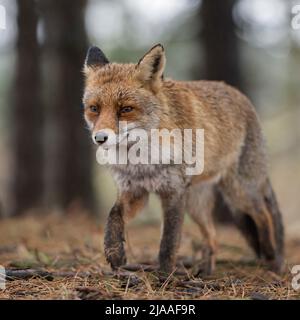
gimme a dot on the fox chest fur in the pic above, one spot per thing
(152, 178)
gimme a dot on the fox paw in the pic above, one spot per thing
(115, 256)
(206, 267)
(166, 266)
(276, 265)
(202, 270)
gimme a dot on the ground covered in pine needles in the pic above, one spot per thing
(62, 258)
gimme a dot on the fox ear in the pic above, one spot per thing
(95, 58)
(151, 66)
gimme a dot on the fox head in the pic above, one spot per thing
(122, 93)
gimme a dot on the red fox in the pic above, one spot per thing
(235, 162)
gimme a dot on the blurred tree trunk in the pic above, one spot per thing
(221, 61)
(68, 143)
(221, 50)
(27, 114)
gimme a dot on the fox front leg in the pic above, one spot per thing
(114, 237)
(126, 207)
(173, 211)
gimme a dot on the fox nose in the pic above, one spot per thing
(101, 137)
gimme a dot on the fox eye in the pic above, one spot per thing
(126, 109)
(94, 109)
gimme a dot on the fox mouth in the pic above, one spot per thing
(122, 138)
(119, 139)
(125, 135)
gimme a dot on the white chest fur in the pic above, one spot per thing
(153, 178)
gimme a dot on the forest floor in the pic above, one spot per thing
(62, 258)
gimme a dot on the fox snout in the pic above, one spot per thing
(108, 137)
(105, 137)
(101, 137)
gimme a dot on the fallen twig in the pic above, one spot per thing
(26, 274)
(149, 268)
(139, 267)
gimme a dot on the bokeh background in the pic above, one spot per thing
(47, 160)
